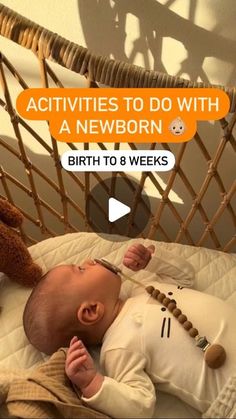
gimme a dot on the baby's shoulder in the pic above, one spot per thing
(126, 330)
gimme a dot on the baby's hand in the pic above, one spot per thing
(138, 256)
(81, 370)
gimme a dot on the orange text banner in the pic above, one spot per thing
(123, 115)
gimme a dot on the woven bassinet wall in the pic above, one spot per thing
(49, 196)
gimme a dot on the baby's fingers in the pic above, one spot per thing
(75, 355)
(76, 365)
(131, 264)
(132, 255)
(73, 340)
(138, 249)
(75, 343)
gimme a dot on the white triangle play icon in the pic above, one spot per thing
(116, 209)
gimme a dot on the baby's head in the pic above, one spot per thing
(72, 300)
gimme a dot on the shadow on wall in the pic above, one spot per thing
(46, 164)
(106, 32)
(105, 28)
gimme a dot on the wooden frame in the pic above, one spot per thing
(48, 46)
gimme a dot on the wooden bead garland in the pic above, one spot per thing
(182, 318)
(215, 355)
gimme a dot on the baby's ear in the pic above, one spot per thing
(90, 312)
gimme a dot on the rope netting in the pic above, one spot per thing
(185, 208)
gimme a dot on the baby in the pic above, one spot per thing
(142, 343)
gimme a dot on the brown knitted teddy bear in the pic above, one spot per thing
(15, 259)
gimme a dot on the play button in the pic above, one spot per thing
(118, 206)
(116, 210)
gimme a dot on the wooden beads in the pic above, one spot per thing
(193, 332)
(176, 312)
(166, 301)
(155, 294)
(215, 354)
(171, 306)
(187, 325)
(182, 318)
(150, 289)
(161, 297)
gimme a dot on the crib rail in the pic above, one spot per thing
(113, 73)
(193, 223)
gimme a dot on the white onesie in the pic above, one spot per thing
(146, 345)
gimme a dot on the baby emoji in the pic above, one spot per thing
(177, 126)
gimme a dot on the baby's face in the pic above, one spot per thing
(88, 279)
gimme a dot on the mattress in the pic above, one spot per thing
(215, 274)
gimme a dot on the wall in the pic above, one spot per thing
(190, 38)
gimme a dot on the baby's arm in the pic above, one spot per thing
(81, 370)
(128, 391)
(165, 264)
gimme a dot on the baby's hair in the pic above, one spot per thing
(49, 318)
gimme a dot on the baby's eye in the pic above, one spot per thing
(77, 268)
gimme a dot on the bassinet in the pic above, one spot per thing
(200, 221)
(49, 196)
